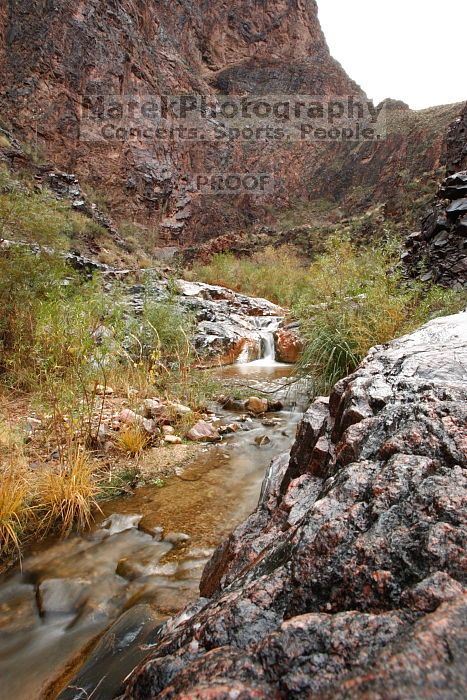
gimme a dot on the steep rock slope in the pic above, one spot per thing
(439, 250)
(52, 54)
(348, 580)
(456, 156)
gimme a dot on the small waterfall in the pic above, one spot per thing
(268, 347)
(266, 327)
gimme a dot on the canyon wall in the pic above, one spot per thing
(438, 252)
(52, 55)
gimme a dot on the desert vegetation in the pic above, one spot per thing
(348, 299)
(75, 359)
(277, 274)
(68, 349)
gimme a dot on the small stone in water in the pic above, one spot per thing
(229, 429)
(270, 422)
(203, 432)
(61, 596)
(154, 530)
(118, 522)
(256, 405)
(177, 537)
(262, 440)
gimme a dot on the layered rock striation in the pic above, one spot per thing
(349, 578)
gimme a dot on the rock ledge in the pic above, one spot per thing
(348, 580)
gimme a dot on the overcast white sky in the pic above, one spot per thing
(412, 50)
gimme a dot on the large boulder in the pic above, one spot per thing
(348, 580)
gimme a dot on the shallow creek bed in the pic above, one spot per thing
(77, 616)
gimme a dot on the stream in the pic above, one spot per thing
(75, 617)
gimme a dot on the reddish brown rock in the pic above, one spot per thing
(203, 432)
(55, 58)
(289, 345)
(256, 405)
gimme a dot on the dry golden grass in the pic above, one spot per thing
(132, 440)
(67, 497)
(253, 276)
(14, 509)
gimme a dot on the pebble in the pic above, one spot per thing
(177, 537)
(173, 440)
(102, 390)
(179, 408)
(256, 405)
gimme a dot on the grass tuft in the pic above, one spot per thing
(14, 510)
(66, 497)
(357, 298)
(133, 440)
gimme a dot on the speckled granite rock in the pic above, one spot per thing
(348, 580)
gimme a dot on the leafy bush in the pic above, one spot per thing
(46, 330)
(355, 299)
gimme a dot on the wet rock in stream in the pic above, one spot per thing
(348, 581)
(62, 596)
(117, 653)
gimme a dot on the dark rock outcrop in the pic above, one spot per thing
(348, 580)
(439, 251)
(456, 152)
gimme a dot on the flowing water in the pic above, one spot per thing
(141, 563)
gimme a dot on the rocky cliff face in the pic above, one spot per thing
(348, 580)
(438, 251)
(53, 54)
(456, 156)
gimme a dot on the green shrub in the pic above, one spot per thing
(275, 274)
(48, 320)
(355, 299)
(162, 333)
(38, 217)
(33, 217)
